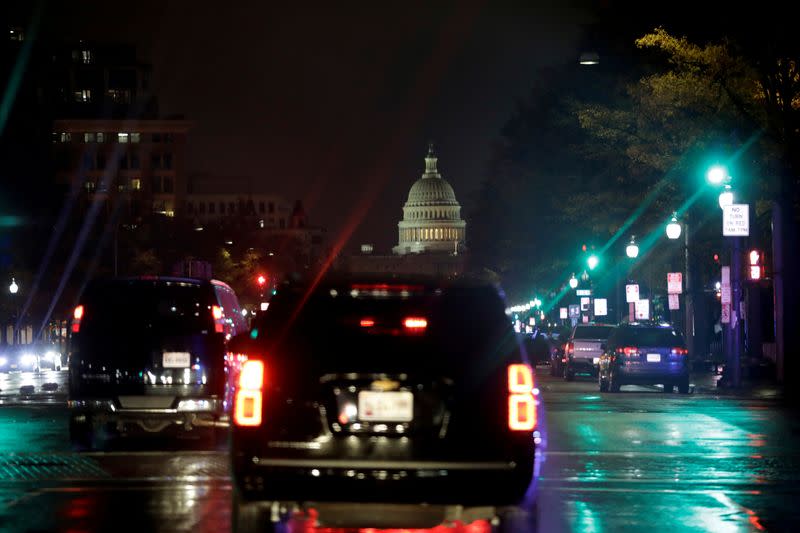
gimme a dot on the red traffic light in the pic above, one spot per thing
(716, 258)
(262, 280)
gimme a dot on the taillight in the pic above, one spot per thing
(569, 348)
(77, 316)
(216, 313)
(367, 322)
(249, 394)
(415, 323)
(521, 401)
(680, 351)
(628, 350)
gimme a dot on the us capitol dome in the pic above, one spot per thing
(431, 216)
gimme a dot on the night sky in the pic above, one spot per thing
(335, 105)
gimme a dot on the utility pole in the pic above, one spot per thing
(736, 318)
(689, 316)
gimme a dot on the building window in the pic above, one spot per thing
(168, 138)
(136, 137)
(271, 207)
(88, 161)
(65, 137)
(222, 208)
(90, 185)
(119, 96)
(136, 184)
(88, 137)
(155, 161)
(135, 161)
(101, 161)
(83, 95)
(202, 208)
(167, 161)
(212, 208)
(87, 57)
(189, 207)
(168, 183)
(123, 162)
(123, 137)
(158, 184)
(101, 137)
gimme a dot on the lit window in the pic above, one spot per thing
(65, 137)
(136, 184)
(86, 57)
(101, 137)
(119, 96)
(122, 137)
(90, 185)
(136, 137)
(83, 95)
(16, 34)
(88, 137)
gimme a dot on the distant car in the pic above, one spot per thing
(49, 355)
(147, 356)
(389, 404)
(644, 354)
(583, 349)
(19, 358)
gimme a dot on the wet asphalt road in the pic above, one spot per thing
(640, 460)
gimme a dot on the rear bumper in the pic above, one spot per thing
(377, 481)
(123, 422)
(583, 366)
(638, 374)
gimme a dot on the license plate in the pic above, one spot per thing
(177, 359)
(394, 406)
(595, 360)
(654, 358)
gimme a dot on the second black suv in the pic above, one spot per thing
(147, 356)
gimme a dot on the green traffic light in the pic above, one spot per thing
(592, 262)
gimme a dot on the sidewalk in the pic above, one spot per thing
(758, 388)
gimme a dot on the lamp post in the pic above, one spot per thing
(573, 282)
(674, 231)
(13, 288)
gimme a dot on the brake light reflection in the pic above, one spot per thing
(367, 322)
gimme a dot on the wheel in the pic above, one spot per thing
(603, 385)
(683, 386)
(668, 387)
(516, 521)
(247, 517)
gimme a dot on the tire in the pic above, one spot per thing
(683, 386)
(250, 517)
(516, 521)
(603, 385)
(668, 387)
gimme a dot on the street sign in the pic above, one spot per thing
(674, 283)
(585, 303)
(674, 302)
(725, 277)
(725, 286)
(643, 310)
(583, 292)
(725, 317)
(574, 311)
(725, 294)
(562, 313)
(585, 319)
(600, 307)
(631, 293)
(736, 220)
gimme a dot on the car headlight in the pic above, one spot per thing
(28, 359)
(3, 361)
(50, 356)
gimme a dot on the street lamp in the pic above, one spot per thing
(726, 197)
(632, 250)
(673, 228)
(13, 288)
(717, 174)
(592, 262)
(573, 282)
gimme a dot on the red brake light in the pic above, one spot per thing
(520, 379)
(216, 312)
(521, 401)
(249, 395)
(680, 351)
(367, 322)
(569, 348)
(415, 323)
(628, 350)
(77, 315)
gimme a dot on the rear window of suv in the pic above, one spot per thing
(593, 332)
(162, 305)
(649, 337)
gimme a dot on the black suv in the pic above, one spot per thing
(390, 394)
(147, 356)
(644, 354)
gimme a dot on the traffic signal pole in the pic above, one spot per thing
(736, 318)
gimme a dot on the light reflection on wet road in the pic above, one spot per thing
(636, 461)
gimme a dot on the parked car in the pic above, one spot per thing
(374, 401)
(49, 355)
(582, 350)
(644, 354)
(147, 356)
